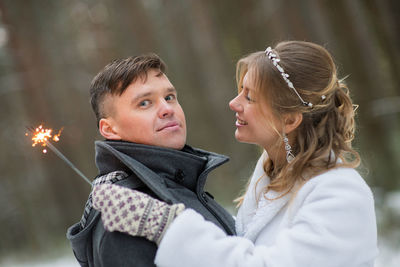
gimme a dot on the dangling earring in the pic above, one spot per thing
(288, 148)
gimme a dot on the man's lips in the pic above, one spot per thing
(169, 125)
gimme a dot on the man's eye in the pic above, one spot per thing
(170, 97)
(144, 103)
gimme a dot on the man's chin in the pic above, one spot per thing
(177, 144)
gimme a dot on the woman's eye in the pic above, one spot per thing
(170, 97)
(144, 103)
(248, 97)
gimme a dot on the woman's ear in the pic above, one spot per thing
(292, 121)
(106, 129)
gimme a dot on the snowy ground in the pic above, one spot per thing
(388, 257)
(64, 261)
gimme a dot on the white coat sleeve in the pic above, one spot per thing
(334, 226)
(192, 241)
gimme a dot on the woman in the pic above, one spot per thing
(305, 205)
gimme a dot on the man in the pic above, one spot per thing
(139, 115)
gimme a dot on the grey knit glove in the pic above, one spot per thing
(132, 212)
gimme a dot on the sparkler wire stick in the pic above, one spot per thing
(56, 151)
(61, 156)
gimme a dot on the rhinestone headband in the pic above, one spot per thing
(274, 58)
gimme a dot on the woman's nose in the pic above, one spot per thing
(235, 104)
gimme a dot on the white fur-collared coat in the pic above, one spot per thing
(329, 222)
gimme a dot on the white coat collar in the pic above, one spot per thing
(254, 215)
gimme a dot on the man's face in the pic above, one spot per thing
(148, 113)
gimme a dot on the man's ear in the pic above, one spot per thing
(292, 121)
(106, 129)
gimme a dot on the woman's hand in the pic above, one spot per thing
(132, 212)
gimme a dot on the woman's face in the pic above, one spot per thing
(254, 123)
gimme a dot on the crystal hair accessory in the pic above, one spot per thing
(274, 58)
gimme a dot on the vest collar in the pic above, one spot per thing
(188, 167)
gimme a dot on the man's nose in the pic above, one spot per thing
(235, 104)
(165, 110)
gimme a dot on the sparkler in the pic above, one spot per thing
(43, 136)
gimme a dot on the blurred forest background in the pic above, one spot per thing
(50, 51)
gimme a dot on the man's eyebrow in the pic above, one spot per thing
(140, 96)
(171, 90)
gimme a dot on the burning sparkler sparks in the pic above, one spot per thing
(43, 136)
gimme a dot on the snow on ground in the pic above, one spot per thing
(64, 261)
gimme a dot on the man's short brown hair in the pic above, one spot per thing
(117, 76)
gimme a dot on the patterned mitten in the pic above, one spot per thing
(132, 212)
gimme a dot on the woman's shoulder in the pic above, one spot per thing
(340, 176)
(341, 182)
(336, 195)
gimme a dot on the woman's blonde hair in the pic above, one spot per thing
(327, 129)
